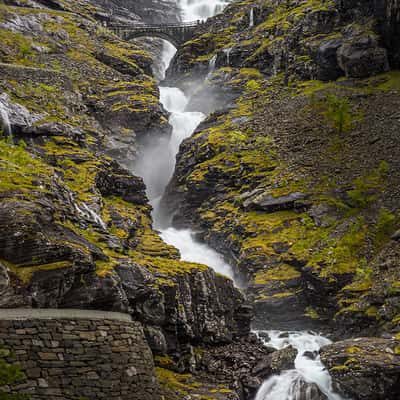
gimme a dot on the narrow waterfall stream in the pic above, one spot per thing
(156, 166)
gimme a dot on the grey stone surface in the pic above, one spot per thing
(74, 354)
(48, 313)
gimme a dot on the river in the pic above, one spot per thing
(156, 166)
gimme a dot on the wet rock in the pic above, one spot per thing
(275, 363)
(312, 355)
(19, 118)
(365, 368)
(146, 303)
(244, 364)
(308, 391)
(283, 359)
(325, 56)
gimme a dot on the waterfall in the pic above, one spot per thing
(5, 121)
(156, 162)
(211, 65)
(88, 213)
(201, 9)
(251, 23)
(228, 55)
(156, 165)
(289, 384)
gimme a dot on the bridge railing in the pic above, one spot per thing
(156, 26)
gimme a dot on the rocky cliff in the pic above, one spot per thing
(294, 177)
(75, 223)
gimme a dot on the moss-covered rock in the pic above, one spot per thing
(364, 368)
(288, 181)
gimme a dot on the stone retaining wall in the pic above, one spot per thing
(70, 354)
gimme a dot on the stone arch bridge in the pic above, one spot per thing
(176, 34)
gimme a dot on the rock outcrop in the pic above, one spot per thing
(75, 224)
(365, 369)
(280, 178)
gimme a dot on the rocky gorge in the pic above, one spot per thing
(292, 176)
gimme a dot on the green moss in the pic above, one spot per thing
(312, 313)
(20, 171)
(354, 350)
(385, 226)
(25, 273)
(367, 187)
(280, 273)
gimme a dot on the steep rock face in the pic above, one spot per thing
(388, 14)
(310, 41)
(365, 369)
(75, 225)
(282, 180)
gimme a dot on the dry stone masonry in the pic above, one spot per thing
(71, 354)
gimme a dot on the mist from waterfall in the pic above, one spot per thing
(156, 161)
(156, 165)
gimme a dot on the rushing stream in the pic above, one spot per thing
(156, 166)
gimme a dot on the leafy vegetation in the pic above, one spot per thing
(9, 374)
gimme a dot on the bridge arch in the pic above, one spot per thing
(161, 35)
(176, 34)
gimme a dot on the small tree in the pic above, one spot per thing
(339, 112)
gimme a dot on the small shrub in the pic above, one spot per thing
(385, 226)
(338, 112)
(25, 50)
(9, 374)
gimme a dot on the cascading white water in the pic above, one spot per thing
(183, 124)
(200, 9)
(4, 120)
(157, 161)
(251, 23)
(194, 251)
(211, 65)
(289, 384)
(156, 166)
(228, 55)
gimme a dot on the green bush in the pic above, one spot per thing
(9, 374)
(385, 226)
(338, 112)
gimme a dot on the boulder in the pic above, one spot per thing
(365, 368)
(308, 391)
(362, 58)
(125, 67)
(283, 359)
(117, 181)
(15, 117)
(269, 203)
(325, 56)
